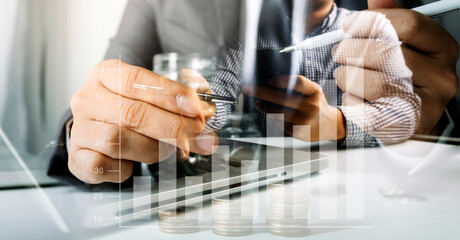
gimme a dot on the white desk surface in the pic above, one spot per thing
(423, 177)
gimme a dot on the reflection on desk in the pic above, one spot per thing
(364, 194)
(13, 175)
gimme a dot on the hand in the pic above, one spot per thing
(430, 52)
(307, 106)
(193, 79)
(123, 111)
(373, 67)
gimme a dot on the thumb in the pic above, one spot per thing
(383, 4)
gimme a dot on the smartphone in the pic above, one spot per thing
(269, 64)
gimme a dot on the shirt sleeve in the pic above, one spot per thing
(392, 119)
(355, 136)
(136, 41)
(227, 81)
(392, 114)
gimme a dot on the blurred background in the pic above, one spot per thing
(46, 51)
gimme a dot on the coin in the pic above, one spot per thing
(181, 220)
(232, 216)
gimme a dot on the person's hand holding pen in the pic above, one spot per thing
(373, 66)
(372, 53)
(123, 111)
(193, 80)
(430, 52)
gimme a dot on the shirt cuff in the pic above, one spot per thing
(355, 135)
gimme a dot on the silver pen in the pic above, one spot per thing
(217, 99)
(433, 10)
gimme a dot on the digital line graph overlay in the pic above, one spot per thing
(183, 202)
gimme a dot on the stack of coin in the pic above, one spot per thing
(287, 210)
(181, 220)
(232, 216)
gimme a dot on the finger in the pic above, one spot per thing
(302, 133)
(194, 80)
(276, 118)
(143, 85)
(299, 84)
(141, 117)
(384, 4)
(428, 71)
(93, 167)
(204, 143)
(364, 83)
(419, 31)
(116, 142)
(274, 96)
(351, 100)
(373, 54)
(425, 68)
(182, 154)
(369, 24)
(208, 110)
(288, 115)
(430, 107)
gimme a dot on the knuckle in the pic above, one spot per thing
(126, 170)
(85, 172)
(456, 47)
(382, 23)
(95, 162)
(300, 84)
(301, 80)
(151, 153)
(151, 160)
(452, 84)
(75, 134)
(380, 81)
(111, 63)
(71, 163)
(133, 113)
(165, 152)
(76, 102)
(317, 106)
(338, 49)
(112, 141)
(175, 130)
(334, 51)
(133, 77)
(162, 98)
(317, 87)
(95, 168)
(412, 22)
(339, 77)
